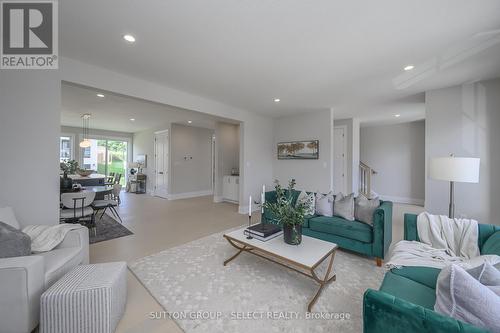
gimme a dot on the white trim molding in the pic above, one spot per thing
(218, 198)
(403, 200)
(187, 195)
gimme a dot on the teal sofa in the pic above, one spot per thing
(373, 241)
(406, 298)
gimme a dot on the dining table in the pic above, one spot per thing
(100, 190)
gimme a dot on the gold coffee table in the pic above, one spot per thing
(304, 258)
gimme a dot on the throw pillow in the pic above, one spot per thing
(324, 204)
(344, 206)
(488, 275)
(7, 216)
(492, 244)
(308, 201)
(460, 296)
(364, 208)
(13, 242)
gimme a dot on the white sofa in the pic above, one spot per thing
(24, 279)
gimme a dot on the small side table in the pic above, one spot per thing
(139, 182)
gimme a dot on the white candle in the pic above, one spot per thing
(263, 198)
(250, 206)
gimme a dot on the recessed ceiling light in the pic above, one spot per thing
(409, 68)
(277, 100)
(100, 95)
(129, 38)
(190, 121)
(397, 115)
(132, 119)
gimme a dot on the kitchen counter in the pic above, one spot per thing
(91, 180)
(231, 188)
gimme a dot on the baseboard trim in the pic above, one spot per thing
(218, 199)
(187, 195)
(403, 200)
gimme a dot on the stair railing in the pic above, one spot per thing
(365, 179)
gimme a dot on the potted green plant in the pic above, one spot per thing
(68, 168)
(290, 216)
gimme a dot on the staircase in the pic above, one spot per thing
(365, 180)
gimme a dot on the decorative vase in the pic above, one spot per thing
(292, 233)
(66, 182)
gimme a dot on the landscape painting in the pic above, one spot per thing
(298, 150)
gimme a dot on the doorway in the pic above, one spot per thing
(340, 159)
(161, 145)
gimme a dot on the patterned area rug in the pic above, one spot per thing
(108, 228)
(252, 294)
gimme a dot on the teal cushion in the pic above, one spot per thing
(338, 226)
(424, 275)
(409, 290)
(492, 244)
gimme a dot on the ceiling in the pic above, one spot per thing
(113, 112)
(312, 55)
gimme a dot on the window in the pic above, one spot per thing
(65, 149)
(86, 152)
(106, 156)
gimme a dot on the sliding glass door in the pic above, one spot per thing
(106, 157)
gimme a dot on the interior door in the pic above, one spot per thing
(339, 160)
(161, 164)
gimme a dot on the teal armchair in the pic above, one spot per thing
(406, 298)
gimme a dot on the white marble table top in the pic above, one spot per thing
(308, 253)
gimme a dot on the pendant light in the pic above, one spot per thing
(85, 143)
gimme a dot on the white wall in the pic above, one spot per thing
(191, 154)
(397, 153)
(255, 130)
(311, 175)
(29, 144)
(227, 153)
(465, 120)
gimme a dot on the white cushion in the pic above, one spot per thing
(7, 216)
(344, 206)
(69, 213)
(463, 296)
(308, 201)
(324, 204)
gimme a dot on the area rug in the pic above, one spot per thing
(107, 228)
(252, 294)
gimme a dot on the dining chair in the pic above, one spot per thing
(110, 178)
(118, 177)
(76, 207)
(103, 205)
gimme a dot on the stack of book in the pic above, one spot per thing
(263, 231)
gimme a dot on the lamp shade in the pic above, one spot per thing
(455, 169)
(85, 143)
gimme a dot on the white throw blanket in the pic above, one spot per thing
(442, 241)
(458, 237)
(46, 237)
(412, 253)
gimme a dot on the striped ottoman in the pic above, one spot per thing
(90, 298)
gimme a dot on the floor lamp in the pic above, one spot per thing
(454, 169)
